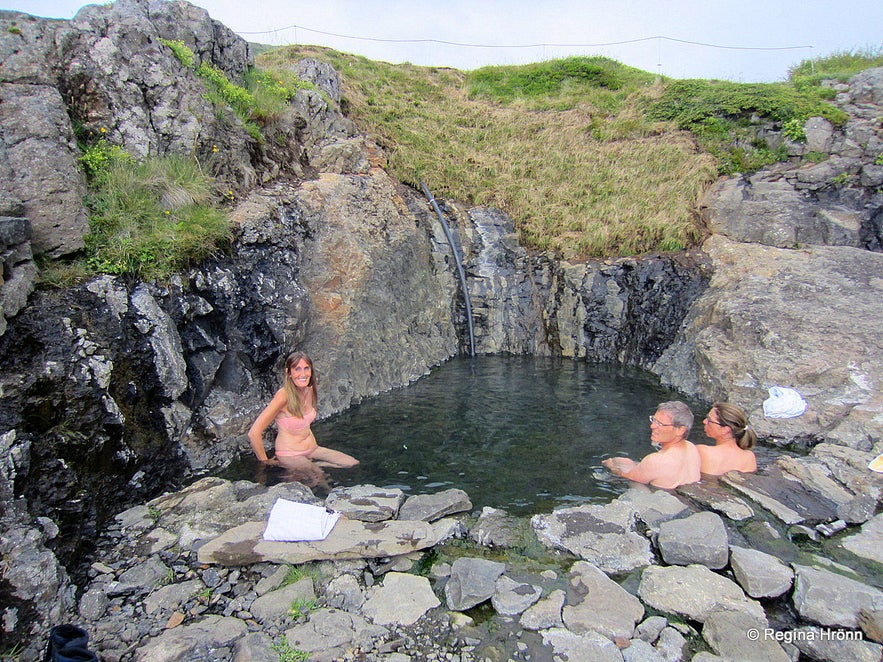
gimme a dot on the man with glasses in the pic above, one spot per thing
(677, 460)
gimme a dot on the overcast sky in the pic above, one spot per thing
(740, 40)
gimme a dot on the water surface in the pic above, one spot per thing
(522, 433)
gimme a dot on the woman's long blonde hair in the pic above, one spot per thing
(736, 419)
(295, 404)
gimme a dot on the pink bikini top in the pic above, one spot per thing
(291, 423)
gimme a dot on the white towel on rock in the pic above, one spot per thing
(290, 521)
(783, 403)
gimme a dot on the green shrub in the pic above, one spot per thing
(841, 180)
(301, 607)
(691, 102)
(793, 130)
(181, 50)
(505, 84)
(97, 159)
(240, 99)
(263, 96)
(719, 112)
(288, 654)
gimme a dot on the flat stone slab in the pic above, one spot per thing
(349, 539)
(712, 496)
(869, 543)
(430, 507)
(401, 600)
(787, 499)
(604, 536)
(694, 592)
(367, 503)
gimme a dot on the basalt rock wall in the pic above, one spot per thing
(625, 310)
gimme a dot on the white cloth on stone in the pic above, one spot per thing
(290, 521)
(783, 403)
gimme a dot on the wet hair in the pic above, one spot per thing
(736, 419)
(295, 404)
(680, 413)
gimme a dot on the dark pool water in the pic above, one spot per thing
(526, 434)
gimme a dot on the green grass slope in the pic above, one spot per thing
(591, 158)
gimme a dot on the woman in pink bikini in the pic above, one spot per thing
(293, 408)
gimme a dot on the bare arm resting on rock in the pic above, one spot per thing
(677, 461)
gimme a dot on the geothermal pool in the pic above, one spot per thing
(522, 433)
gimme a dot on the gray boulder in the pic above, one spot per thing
(654, 506)
(714, 497)
(587, 647)
(545, 614)
(512, 598)
(495, 528)
(430, 507)
(472, 581)
(329, 633)
(699, 538)
(605, 536)
(167, 599)
(402, 600)
(827, 598)
(366, 503)
(868, 543)
(736, 635)
(761, 575)
(694, 592)
(640, 651)
(276, 605)
(202, 641)
(599, 604)
(835, 645)
(255, 647)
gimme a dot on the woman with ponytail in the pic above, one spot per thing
(733, 438)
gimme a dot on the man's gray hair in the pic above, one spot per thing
(679, 412)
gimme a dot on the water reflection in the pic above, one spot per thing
(526, 434)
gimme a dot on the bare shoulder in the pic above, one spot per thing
(280, 399)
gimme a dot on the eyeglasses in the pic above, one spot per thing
(653, 419)
(713, 422)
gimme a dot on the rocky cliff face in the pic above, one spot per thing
(796, 287)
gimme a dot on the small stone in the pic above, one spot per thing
(175, 620)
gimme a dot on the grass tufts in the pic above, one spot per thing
(152, 218)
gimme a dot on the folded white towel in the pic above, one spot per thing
(290, 521)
